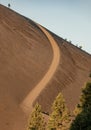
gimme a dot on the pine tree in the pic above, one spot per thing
(85, 99)
(59, 114)
(82, 121)
(36, 120)
(83, 118)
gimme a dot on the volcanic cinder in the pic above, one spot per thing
(35, 65)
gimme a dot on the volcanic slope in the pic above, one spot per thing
(71, 75)
(25, 57)
(28, 101)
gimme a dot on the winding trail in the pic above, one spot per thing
(27, 103)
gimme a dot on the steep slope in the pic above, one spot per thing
(26, 55)
(23, 52)
(72, 74)
(28, 101)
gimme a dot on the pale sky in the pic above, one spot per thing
(69, 19)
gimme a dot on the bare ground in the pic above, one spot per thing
(25, 58)
(27, 104)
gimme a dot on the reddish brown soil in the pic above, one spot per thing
(27, 103)
(25, 57)
(71, 75)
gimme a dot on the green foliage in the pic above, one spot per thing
(85, 100)
(83, 119)
(59, 113)
(86, 97)
(36, 120)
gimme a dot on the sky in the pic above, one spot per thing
(70, 19)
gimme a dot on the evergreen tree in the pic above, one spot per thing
(36, 120)
(82, 121)
(59, 114)
(85, 101)
(83, 118)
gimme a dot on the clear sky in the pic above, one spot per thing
(69, 19)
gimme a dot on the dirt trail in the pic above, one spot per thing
(27, 103)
